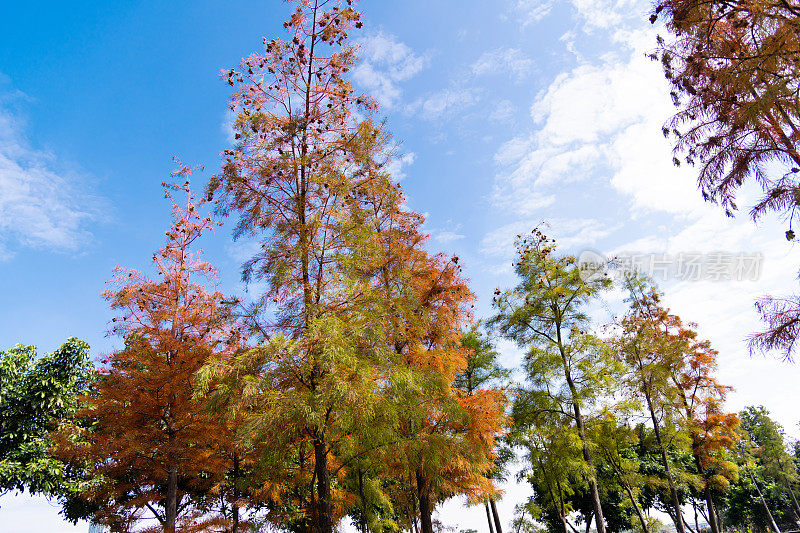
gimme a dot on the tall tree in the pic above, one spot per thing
(36, 394)
(774, 459)
(546, 313)
(673, 372)
(308, 156)
(150, 440)
(651, 344)
(483, 371)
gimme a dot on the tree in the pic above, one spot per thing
(773, 457)
(36, 394)
(140, 429)
(447, 433)
(651, 344)
(762, 496)
(308, 156)
(672, 371)
(734, 67)
(713, 432)
(568, 368)
(483, 370)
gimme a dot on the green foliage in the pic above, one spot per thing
(766, 466)
(35, 393)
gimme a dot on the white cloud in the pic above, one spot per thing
(603, 117)
(443, 104)
(504, 60)
(40, 204)
(570, 233)
(385, 62)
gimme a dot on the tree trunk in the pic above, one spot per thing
(712, 512)
(363, 500)
(764, 502)
(425, 506)
(587, 457)
(171, 506)
(497, 525)
(795, 506)
(488, 517)
(235, 511)
(325, 523)
(636, 507)
(676, 503)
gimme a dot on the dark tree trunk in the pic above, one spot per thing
(325, 523)
(497, 525)
(488, 517)
(235, 511)
(171, 506)
(587, 457)
(712, 512)
(676, 502)
(636, 507)
(425, 506)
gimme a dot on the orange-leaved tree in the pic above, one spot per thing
(734, 67)
(157, 453)
(307, 180)
(447, 433)
(673, 371)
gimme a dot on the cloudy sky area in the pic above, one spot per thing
(508, 113)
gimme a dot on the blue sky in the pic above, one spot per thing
(509, 112)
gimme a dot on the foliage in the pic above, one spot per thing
(36, 393)
(568, 369)
(733, 66)
(150, 441)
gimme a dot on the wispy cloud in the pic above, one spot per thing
(503, 111)
(504, 60)
(443, 104)
(385, 63)
(41, 202)
(532, 11)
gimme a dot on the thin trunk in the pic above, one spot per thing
(235, 512)
(497, 525)
(676, 503)
(363, 500)
(561, 510)
(488, 517)
(713, 521)
(414, 524)
(764, 502)
(323, 485)
(636, 507)
(171, 506)
(795, 506)
(588, 523)
(587, 457)
(425, 506)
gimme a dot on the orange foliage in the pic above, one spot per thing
(151, 442)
